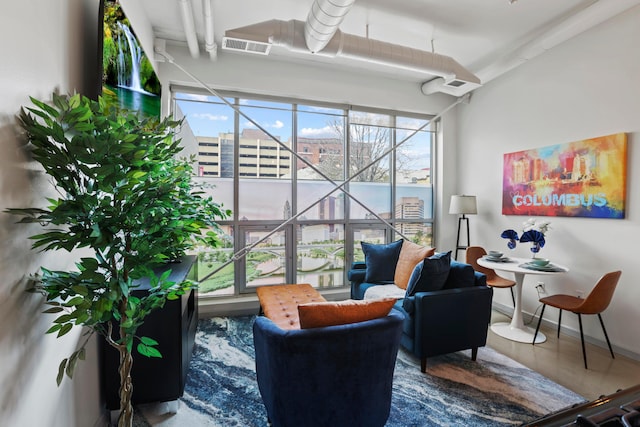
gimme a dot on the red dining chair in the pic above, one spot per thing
(595, 303)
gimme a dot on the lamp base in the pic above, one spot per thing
(460, 247)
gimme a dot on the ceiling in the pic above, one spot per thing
(486, 37)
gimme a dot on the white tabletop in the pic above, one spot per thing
(515, 265)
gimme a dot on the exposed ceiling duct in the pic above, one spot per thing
(259, 38)
(323, 21)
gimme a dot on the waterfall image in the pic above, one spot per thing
(129, 78)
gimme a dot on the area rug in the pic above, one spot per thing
(221, 388)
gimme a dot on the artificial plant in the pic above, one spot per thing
(126, 196)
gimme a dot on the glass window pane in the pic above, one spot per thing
(372, 183)
(213, 270)
(266, 262)
(264, 164)
(264, 199)
(370, 235)
(413, 171)
(220, 190)
(320, 259)
(208, 133)
(319, 200)
(320, 142)
(417, 232)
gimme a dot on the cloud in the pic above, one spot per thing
(212, 117)
(325, 131)
(276, 125)
(195, 97)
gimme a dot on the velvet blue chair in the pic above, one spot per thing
(453, 318)
(331, 376)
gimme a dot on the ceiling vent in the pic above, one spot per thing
(239, 45)
(451, 77)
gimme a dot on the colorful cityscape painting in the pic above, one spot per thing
(585, 178)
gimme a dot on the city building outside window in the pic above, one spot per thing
(305, 187)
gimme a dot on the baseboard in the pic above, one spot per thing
(532, 320)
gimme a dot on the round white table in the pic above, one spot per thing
(516, 330)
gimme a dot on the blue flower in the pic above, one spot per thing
(535, 237)
(512, 236)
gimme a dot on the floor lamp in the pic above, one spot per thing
(465, 205)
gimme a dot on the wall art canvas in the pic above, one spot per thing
(582, 179)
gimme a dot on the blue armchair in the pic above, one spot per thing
(329, 376)
(444, 321)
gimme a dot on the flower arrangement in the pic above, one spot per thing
(533, 232)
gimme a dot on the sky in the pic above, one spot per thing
(208, 116)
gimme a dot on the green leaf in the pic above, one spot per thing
(148, 341)
(75, 301)
(53, 310)
(148, 351)
(54, 328)
(65, 329)
(61, 369)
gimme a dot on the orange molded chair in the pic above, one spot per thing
(595, 303)
(476, 252)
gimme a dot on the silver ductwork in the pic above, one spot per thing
(454, 78)
(323, 21)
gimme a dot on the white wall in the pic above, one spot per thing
(41, 51)
(588, 87)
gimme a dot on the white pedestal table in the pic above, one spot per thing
(516, 329)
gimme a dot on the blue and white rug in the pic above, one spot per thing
(221, 387)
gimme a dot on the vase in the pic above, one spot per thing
(535, 248)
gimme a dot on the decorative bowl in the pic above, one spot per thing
(495, 254)
(540, 262)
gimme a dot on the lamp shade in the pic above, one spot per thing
(463, 205)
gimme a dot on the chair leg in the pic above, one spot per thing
(584, 352)
(513, 297)
(606, 336)
(539, 322)
(474, 353)
(423, 365)
(559, 322)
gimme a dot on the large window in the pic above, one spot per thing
(306, 183)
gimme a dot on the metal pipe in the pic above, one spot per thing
(209, 35)
(186, 12)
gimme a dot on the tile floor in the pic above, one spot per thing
(561, 361)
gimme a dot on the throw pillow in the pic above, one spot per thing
(321, 314)
(410, 255)
(430, 275)
(460, 276)
(381, 261)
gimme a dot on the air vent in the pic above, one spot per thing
(456, 83)
(246, 46)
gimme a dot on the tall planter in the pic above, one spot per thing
(124, 194)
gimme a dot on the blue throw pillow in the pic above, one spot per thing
(430, 275)
(381, 261)
(460, 276)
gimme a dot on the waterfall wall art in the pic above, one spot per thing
(128, 76)
(584, 178)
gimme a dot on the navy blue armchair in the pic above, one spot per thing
(330, 376)
(444, 321)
